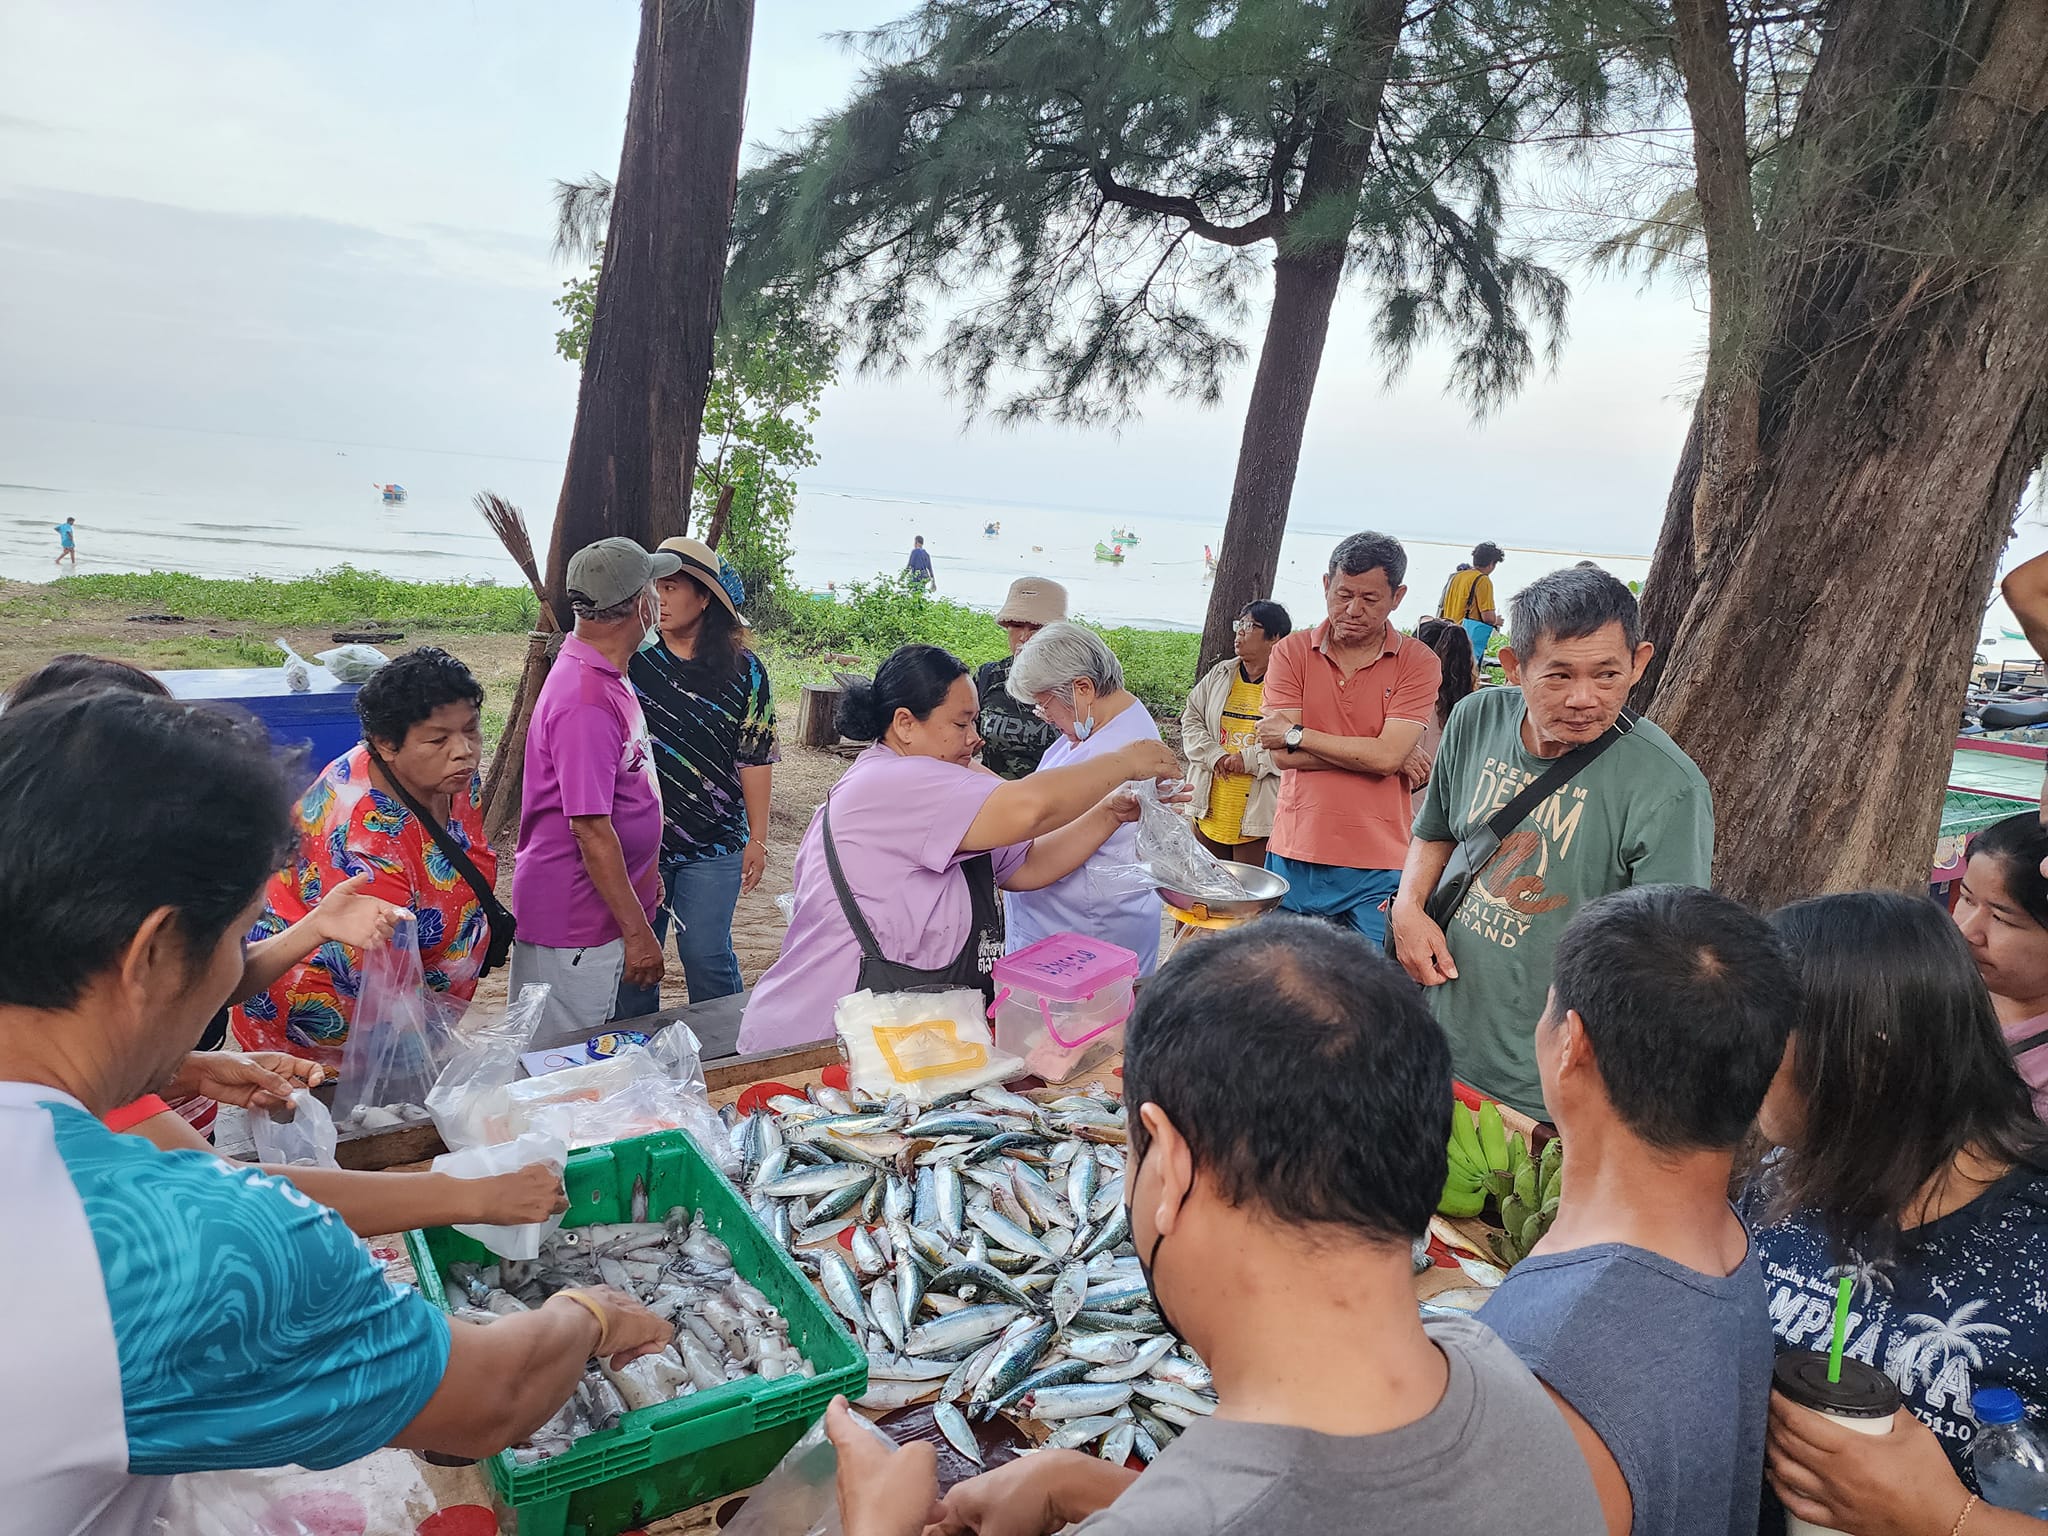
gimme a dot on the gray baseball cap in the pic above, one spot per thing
(605, 574)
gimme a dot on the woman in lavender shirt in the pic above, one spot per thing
(909, 823)
(1075, 683)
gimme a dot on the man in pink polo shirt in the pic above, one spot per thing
(586, 877)
(1345, 705)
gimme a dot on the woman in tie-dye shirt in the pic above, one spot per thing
(421, 723)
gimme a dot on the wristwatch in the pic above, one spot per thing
(1293, 738)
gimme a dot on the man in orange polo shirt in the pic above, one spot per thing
(1345, 706)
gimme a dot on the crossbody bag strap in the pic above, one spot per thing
(1555, 777)
(494, 909)
(863, 935)
(2020, 1048)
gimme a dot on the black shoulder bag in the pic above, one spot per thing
(503, 924)
(1475, 850)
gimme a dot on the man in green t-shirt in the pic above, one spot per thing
(1640, 814)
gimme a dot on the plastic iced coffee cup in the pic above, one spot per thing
(1863, 1400)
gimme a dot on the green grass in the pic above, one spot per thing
(210, 651)
(342, 597)
(871, 619)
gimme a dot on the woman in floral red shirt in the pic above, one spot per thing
(422, 728)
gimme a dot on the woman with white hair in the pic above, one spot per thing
(1076, 685)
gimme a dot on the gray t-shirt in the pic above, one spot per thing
(1671, 1368)
(1494, 1450)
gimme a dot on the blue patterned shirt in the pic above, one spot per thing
(169, 1312)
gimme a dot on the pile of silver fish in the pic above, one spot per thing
(726, 1329)
(989, 1267)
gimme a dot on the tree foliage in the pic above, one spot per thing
(770, 366)
(1077, 199)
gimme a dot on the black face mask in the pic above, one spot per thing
(1147, 1263)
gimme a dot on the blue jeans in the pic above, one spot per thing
(1352, 898)
(702, 894)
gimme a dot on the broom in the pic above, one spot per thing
(505, 781)
(509, 524)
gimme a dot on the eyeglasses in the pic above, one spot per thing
(1244, 626)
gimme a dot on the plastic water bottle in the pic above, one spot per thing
(2009, 1458)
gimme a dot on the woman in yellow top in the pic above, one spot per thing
(1468, 598)
(1236, 784)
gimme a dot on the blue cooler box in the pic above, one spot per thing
(321, 722)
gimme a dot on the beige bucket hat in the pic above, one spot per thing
(1034, 600)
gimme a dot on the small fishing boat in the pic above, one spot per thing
(1123, 537)
(1114, 556)
(2011, 634)
(393, 494)
(992, 530)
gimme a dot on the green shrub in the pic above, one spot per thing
(337, 598)
(872, 618)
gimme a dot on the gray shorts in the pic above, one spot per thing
(583, 985)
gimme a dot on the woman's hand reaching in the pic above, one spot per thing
(350, 915)
(252, 1079)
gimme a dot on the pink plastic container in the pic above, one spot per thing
(1061, 1004)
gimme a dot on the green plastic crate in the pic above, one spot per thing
(658, 1460)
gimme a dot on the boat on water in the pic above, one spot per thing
(1114, 556)
(1123, 537)
(2011, 634)
(992, 530)
(393, 493)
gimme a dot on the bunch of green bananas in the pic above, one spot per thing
(1487, 1161)
(1465, 1187)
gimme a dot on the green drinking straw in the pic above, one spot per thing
(1844, 1288)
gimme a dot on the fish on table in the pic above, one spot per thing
(979, 1249)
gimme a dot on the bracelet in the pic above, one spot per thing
(604, 1327)
(1968, 1504)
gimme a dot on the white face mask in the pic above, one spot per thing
(653, 636)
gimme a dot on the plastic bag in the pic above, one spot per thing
(648, 1104)
(800, 1497)
(401, 1034)
(303, 1139)
(470, 1087)
(298, 676)
(383, 1494)
(679, 1052)
(923, 1045)
(1169, 854)
(657, 1087)
(539, 1146)
(352, 663)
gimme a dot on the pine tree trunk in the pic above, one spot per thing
(1818, 645)
(633, 453)
(1306, 278)
(1275, 419)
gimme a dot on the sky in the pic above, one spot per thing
(335, 223)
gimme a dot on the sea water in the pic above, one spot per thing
(232, 505)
